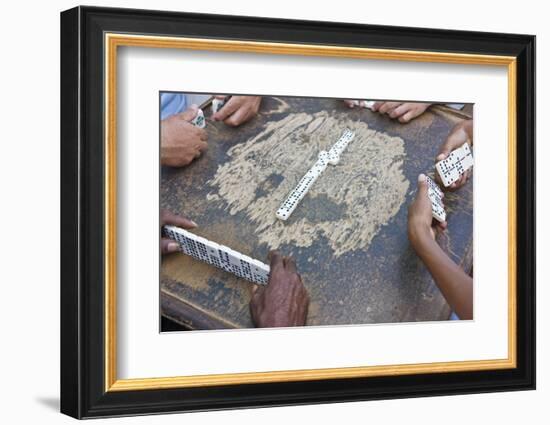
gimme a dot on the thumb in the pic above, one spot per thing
(189, 113)
(168, 246)
(422, 185)
(443, 154)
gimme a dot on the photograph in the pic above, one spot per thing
(279, 211)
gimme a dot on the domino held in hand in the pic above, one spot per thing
(436, 197)
(217, 104)
(199, 120)
(457, 163)
(219, 256)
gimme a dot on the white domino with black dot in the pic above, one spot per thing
(332, 157)
(436, 197)
(457, 163)
(292, 200)
(338, 148)
(219, 256)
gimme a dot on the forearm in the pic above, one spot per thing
(455, 285)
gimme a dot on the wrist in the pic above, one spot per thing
(419, 234)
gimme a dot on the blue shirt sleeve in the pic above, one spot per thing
(171, 104)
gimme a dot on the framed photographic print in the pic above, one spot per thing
(261, 212)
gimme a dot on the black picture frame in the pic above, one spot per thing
(83, 392)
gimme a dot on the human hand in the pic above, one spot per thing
(167, 245)
(420, 220)
(460, 134)
(350, 103)
(404, 112)
(180, 141)
(284, 300)
(238, 110)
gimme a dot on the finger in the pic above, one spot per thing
(422, 197)
(400, 110)
(239, 117)
(220, 96)
(442, 225)
(408, 116)
(377, 106)
(290, 265)
(168, 246)
(275, 259)
(202, 134)
(455, 139)
(422, 184)
(257, 294)
(350, 103)
(163, 215)
(190, 113)
(231, 106)
(442, 155)
(202, 146)
(388, 107)
(176, 220)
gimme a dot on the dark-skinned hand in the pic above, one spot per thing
(460, 134)
(404, 112)
(180, 141)
(167, 218)
(284, 300)
(420, 218)
(238, 110)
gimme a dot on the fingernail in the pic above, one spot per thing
(172, 247)
(193, 223)
(421, 178)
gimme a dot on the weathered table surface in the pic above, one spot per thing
(348, 235)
